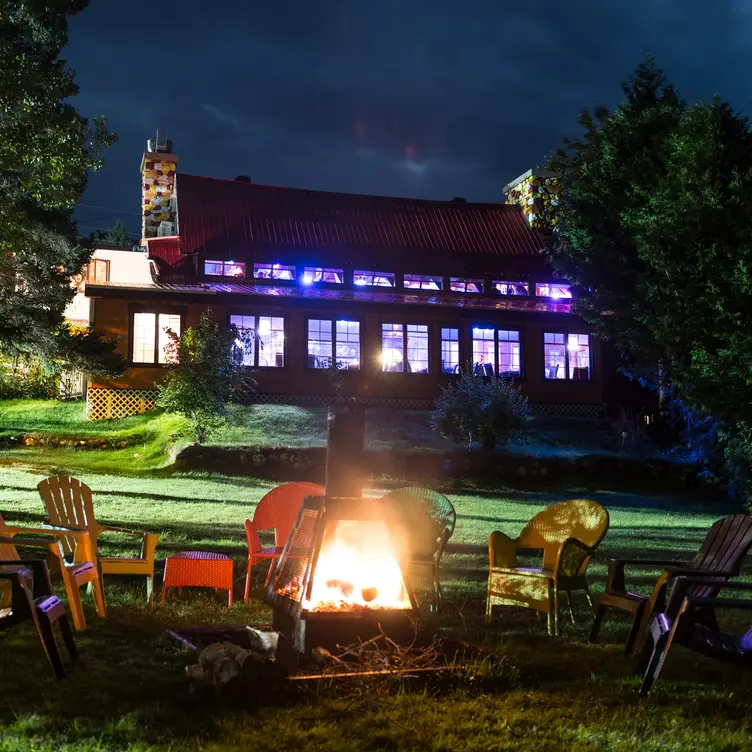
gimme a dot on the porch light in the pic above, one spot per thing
(390, 357)
(307, 279)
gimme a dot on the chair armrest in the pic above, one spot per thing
(585, 551)
(518, 573)
(678, 571)
(42, 584)
(736, 603)
(616, 579)
(734, 585)
(56, 530)
(682, 585)
(127, 530)
(502, 550)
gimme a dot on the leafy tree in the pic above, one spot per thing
(206, 373)
(46, 151)
(655, 233)
(479, 409)
(115, 235)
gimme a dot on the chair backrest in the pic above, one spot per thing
(279, 508)
(69, 503)
(8, 551)
(428, 517)
(583, 519)
(725, 545)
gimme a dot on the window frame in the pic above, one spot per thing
(271, 279)
(285, 324)
(156, 310)
(497, 361)
(334, 320)
(436, 279)
(458, 329)
(429, 350)
(465, 280)
(566, 336)
(508, 282)
(315, 283)
(95, 261)
(224, 263)
(549, 285)
(373, 275)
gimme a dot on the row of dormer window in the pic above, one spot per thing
(312, 275)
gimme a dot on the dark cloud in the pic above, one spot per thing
(425, 98)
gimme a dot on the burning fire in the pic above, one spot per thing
(358, 567)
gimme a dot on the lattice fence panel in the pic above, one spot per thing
(119, 403)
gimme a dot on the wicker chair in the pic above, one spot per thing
(568, 533)
(277, 510)
(428, 518)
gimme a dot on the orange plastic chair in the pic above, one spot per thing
(278, 509)
(568, 533)
(69, 504)
(73, 550)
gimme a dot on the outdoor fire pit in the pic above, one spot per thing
(341, 576)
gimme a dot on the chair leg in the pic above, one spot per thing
(489, 607)
(44, 628)
(247, 593)
(569, 603)
(556, 612)
(99, 598)
(150, 589)
(597, 619)
(654, 664)
(74, 603)
(589, 600)
(67, 633)
(637, 632)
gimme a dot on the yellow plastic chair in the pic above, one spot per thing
(69, 504)
(568, 533)
(73, 550)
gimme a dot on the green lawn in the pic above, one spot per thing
(129, 691)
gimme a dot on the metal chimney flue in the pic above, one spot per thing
(344, 457)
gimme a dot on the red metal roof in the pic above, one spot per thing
(212, 211)
(472, 302)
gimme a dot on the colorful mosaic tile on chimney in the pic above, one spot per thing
(537, 193)
(158, 178)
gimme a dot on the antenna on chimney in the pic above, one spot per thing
(159, 145)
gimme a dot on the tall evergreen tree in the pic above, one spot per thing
(46, 152)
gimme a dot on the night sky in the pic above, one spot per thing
(423, 98)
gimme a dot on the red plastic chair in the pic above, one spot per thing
(277, 510)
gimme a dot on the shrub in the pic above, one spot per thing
(737, 453)
(26, 377)
(206, 372)
(479, 409)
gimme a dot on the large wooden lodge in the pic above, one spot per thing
(399, 293)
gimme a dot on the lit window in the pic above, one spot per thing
(341, 337)
(496, 352)
(224, 269)
(262, 340)
(450, 350)
(398, 340)
(314, 274)
(566, 356)
(98, 270)
(501, 287)
(423, 282)
(556, 290)
(151, 339)
(459, 284)
(373, 279)
(274, 271)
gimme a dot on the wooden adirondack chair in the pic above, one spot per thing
(428, 519)
(72, 550)
(679, 624)
(568, 532)
(277, 510)
(69, 504)
(31, 598)
(721, 557)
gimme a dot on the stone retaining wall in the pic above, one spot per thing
(516, 470)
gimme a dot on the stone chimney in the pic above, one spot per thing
(537, 193)
(158, 167)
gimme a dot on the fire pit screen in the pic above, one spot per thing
(344, 561)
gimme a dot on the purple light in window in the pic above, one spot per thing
(360, 282)
(307, 279)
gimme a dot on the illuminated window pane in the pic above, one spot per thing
(422, 282)
(165, 345)
(246, 343)
(578, 351)
(556, 290)
(450, 350)
(320, 342)
(510, 363)
(373, 279)
(348, 345)
(554, 356)
(484, 343)
(392, 347)
(98, 270)
(271, 342)
(459, 284)
(274, 271)
(224, 268)
(417, 348)
(314, 274)
(144, 337)
(502, 287)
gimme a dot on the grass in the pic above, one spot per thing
(129, 692)
(148, 443)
